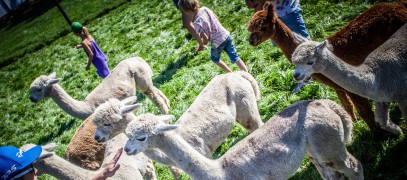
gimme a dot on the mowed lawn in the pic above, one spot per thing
(153, 30)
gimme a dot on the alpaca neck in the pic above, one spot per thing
(78, 109)
(187, 158)
(356, 79)
(62, 169)
(282, 37)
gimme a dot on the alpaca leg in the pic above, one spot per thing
(364, 108)
(176, 173)
(346, 102)
(403, 108)
(383, 118)
(349, 166)
(334, 162)
(247, 114)
(325, 172)
(150, 171)
(158, 98)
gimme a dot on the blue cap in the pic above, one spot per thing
(12, 160)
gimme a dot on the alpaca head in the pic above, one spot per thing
(307, 59)
(41, 87)
(109, 117)
(262, 24)
(143, 129)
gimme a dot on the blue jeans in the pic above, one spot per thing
(227, 46)
(295, 22)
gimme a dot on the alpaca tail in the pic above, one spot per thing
(345, 118)
(252, 81)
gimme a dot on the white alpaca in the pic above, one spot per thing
(382, 77)
(129, 75)
(205, 124)
(274, 151)
(130, 167)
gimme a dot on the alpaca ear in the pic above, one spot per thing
(53, 75)
(166, 118)
(268, 6)
(45, 154)
(53, 81)
(49, 146)
(129, 100)
(298, 38)
(320, 47)
(162, 128)
(129, 108)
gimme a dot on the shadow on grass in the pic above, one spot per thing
(171, 69)
(62, 128)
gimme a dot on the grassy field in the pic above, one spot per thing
(152, 30)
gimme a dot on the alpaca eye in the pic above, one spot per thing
(38, 89)
(141, 139)
(310, 63)
(107, 124)
(263, 29)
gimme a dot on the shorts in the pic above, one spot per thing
(295, 22)
(176, 3)
(227, 46)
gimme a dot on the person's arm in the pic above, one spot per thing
(111, 168)
(187, 23)
(78, 46)
(86, 45)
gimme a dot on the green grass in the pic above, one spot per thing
(153, 30)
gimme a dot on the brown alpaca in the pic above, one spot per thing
(352, 44)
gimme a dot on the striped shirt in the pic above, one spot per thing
(207, 22)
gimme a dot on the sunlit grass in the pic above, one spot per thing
(153, 30)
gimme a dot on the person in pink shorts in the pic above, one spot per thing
(207, 25)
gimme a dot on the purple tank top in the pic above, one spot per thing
(99, 60)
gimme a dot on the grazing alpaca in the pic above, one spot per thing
(274, 151)
(52, 164)
(205, 124)
(381, 77)
(128, 75)
(352, 43)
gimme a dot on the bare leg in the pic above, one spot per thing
(222, 65)
(241, 65)
(382, 117)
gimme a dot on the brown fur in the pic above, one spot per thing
(85, 151)
(265, 25)
(368, 31)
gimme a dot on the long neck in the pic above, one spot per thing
(62, 169)
(282, 37)
(187, 158)
(78, 109)
(356, 79)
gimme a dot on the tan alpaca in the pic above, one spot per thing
(382, 77)
(205, 124)
(129, 75)
(274, 151)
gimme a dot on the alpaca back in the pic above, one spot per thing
(354, 42)
(252, 81)
(210, 118)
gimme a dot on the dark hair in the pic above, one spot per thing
(188, 5)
